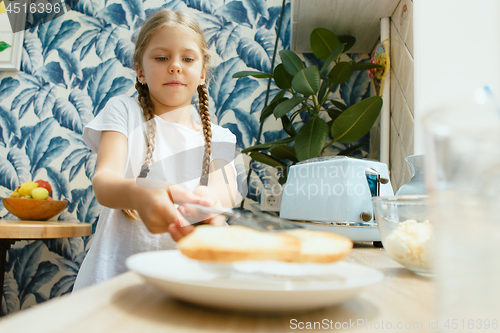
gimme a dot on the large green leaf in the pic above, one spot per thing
(334, 114)
(357, 120)
(288, 126)
(284, 152)
(311, 138)
(323, 42)
(341, 72)
(323, 89)
(348, 40)
(284, 107)
(268, 110)
(339, 105)
(307, 81)
(258, 75)
(279, 95)
(282, 79)
(291, 62)
(348, 151)
(334, 55)
(267, 145)
(267, 159)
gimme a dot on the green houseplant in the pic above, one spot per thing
(308, 89)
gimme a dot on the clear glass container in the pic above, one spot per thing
(463, 180)
(405, 231)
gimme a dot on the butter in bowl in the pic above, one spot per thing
(405, 231)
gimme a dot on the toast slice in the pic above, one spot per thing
(321, 246)
(239, 243)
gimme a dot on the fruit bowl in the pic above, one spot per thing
(33, 209)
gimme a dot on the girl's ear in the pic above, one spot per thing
(203, 75)
(140, 75)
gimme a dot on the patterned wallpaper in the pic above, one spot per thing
(74, 64)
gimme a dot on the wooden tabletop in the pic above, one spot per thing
(20, 229)
(128, 304)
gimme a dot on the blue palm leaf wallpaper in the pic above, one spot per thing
(73, 65)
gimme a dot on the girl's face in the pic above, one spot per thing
(172, 67)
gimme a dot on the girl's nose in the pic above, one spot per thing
(175, 67)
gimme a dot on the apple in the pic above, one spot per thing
(40, 193)
(44, 184)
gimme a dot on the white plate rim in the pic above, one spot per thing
(361, 282)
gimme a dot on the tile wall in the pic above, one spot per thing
(402, 105)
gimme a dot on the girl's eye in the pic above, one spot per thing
(188, 59)
(161, 58)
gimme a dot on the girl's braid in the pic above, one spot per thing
(148, 110)
(207, 132)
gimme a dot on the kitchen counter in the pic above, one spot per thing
(402, 302)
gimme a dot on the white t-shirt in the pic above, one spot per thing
(177, 159)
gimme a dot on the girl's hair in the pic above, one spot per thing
(168, 18)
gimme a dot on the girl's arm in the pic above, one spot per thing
(114, 191)
(222, 182)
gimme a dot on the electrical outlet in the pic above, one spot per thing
(269, 201)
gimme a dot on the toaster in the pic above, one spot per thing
(334, 190)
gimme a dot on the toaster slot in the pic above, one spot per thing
(373, 179)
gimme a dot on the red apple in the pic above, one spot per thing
(44, 184)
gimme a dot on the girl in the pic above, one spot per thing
(157, 138)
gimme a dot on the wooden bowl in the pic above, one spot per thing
(32, 209)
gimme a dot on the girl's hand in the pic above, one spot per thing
(208, 198)
(157, 211)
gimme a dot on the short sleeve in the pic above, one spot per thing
(113, 117)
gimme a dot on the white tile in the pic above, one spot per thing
(396, 17)
(406, 69)
(393, 181)
(397, 45)
(397, 105)
(407, 129)
(410, 92)
(393, 143)
(405, 18)
(409, 36)
(394, 87)
(409, 146)
(403, 167)
(397, 165)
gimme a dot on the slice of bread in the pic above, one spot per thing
(321, 246)
(238, 243)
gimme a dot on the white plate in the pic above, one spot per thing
(252, 285)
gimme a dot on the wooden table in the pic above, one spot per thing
(128, 304)
(14, 230)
